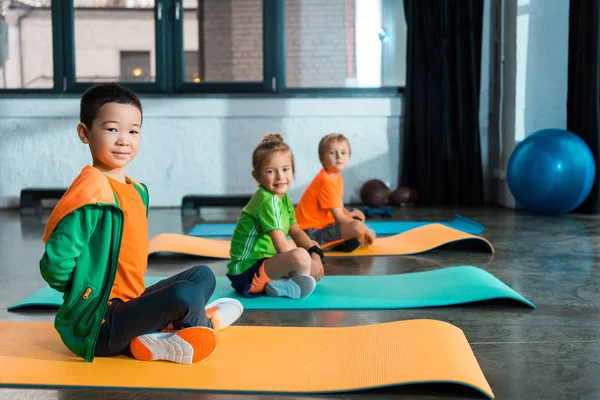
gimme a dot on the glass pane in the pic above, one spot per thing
(135, 66)
(26, 56)
(345, 43)
(231, 34)
(115, 41)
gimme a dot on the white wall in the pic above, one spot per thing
(542, 65)
(199, 146)
(534, 37)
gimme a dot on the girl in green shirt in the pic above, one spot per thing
(263, 260)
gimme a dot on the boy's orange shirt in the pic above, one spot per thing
(129, 281)
(324, 193)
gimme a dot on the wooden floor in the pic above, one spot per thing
(552, 352)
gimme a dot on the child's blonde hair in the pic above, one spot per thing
(331, 138)
(269, 145)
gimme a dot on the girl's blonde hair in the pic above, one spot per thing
(331, 138)
(269, 145)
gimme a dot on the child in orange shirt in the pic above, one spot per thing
(321, 213)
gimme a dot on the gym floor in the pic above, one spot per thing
(552, 352)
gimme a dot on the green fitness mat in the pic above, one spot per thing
(442, 287)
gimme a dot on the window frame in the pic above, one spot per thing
(72, 85)
(181, 86)
(323, 91)
(57, 58)
(170, 61)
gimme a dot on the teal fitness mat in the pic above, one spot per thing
(442, 287)
(381, 228)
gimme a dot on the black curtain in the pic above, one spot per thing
(441, 155)
(583, 100)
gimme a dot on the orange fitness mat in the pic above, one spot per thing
(414, 241)
(287, 360)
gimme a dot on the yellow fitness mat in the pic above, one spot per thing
(258, 359)
(414, 241)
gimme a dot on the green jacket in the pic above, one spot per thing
(83, 241)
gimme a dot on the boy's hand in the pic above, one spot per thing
(357, 214)
(316, 267)
(369, 237)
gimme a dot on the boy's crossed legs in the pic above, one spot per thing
(342, 237)
(179, 301)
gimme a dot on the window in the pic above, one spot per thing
(193, 68)
(26, 40)
(135, 66)
(203, 46)
(227, 35)
(343, 43)
(114, 40)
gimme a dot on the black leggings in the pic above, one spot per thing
(180, 299)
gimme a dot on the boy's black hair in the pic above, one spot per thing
(98, 95)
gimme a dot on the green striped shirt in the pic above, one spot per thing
(251, 242)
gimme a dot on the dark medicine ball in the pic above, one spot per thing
(404, 196)
(374, 193)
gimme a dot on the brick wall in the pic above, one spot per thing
(315, 41)
(233, 36)
(247, 29)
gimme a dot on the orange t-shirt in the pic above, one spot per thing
(133, 258)
(324, 193)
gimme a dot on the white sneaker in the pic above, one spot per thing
(296, 287)
(223, 312)
(186, 346)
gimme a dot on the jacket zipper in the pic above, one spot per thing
(104, 300)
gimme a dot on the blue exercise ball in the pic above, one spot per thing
(551, 171)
